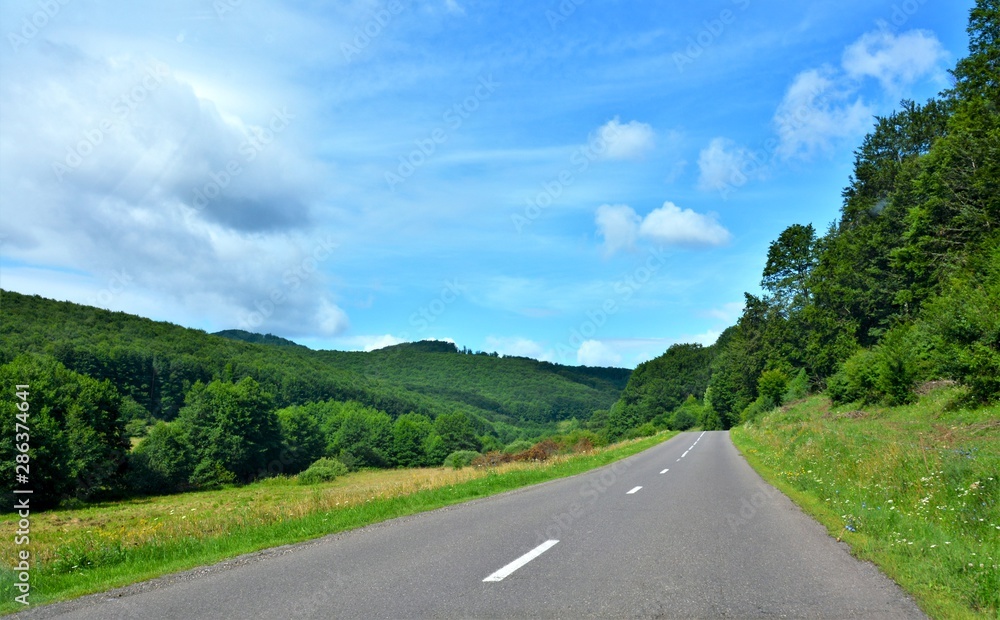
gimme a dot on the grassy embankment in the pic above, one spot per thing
(76, 552)
(914, 489)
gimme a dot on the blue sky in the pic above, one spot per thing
(585, 182)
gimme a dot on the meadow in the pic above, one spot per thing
(914, 489)
(99, 547)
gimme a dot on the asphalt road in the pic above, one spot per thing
(684, 530)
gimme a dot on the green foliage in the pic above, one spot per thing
(771, 387)
(302, 438)
(456, 432)
(77, 440)
(231, 427)
(162, 462)
(798, 387)
(660, 386)
(323, 470)
(409, 438)
(518, 446)
(687, 415)
(461, 458)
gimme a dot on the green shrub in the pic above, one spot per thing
(683, 420)
(461, 458)
(518, 446)
(210, 474)
(771, 387)
(798, 388)
(886, 374)
(323, 470)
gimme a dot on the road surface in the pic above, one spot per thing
(684, 530)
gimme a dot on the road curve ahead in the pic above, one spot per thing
(684, 530)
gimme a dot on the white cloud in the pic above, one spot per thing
(672, 225)
(819, 108)
(373, 343)
(825, 105)
(331, 319)
(519, 347)
(895, 61)
(723, 165)
(629, 141)
(619, 225)
(596, 353)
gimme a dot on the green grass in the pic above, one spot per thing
(914, 489)
(96, 548)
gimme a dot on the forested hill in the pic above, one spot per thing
(155, 365)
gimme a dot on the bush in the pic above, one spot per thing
(323, 470)
(798, 388)
(518, 446)
(771, 387)
(683, 420)
(461, 458)
(210, 474)
(886, 374)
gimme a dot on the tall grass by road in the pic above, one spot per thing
(915, 489)
(88, 550)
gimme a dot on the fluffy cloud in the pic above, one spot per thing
(519, 347)
(629, 141)
(672, 225)
(895, 61)
(825, 105)
(115, 165)
(818, 109)
(596, 353)
(620, 226)
(723, 165)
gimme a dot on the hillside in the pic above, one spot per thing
(156, 363)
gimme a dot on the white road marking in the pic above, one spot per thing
(633, 491)
(664, 471)
(685, 453)
(508, 570)
(678, 460)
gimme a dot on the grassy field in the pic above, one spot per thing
(92, 549)
(915, 489)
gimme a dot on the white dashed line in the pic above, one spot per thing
(633, 491)
(506, 571)
(664, 471)
(685, 453)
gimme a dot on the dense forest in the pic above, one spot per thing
(903, 289)
(203, 409)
